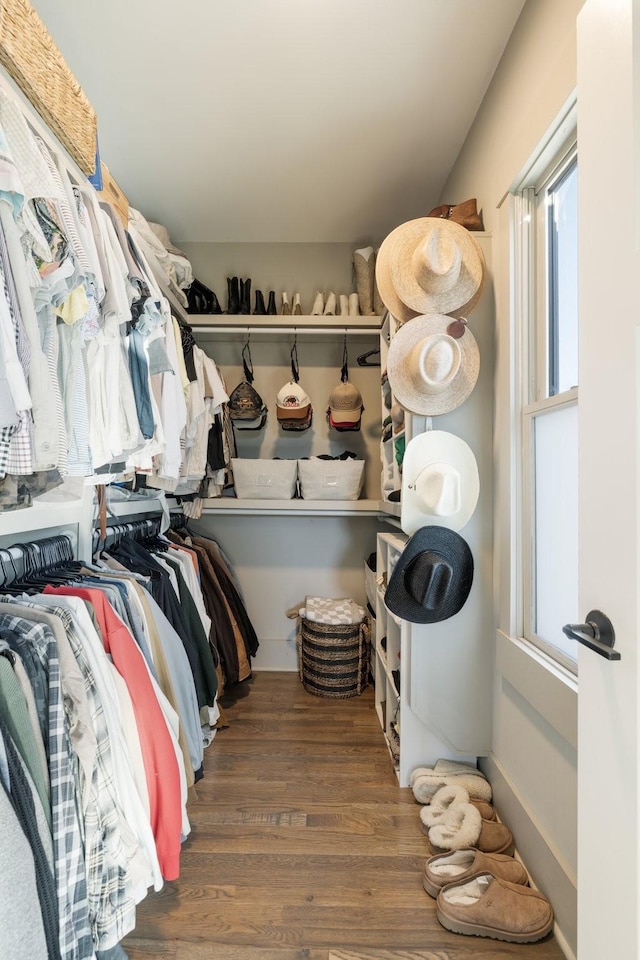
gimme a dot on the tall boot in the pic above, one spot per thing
(364, 265)
(272, 310)
(215, 304)
(233, 295)
(245, 296)
(259, 309)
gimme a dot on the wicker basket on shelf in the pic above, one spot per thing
(33, 60)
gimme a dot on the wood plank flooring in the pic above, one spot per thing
(303, 847)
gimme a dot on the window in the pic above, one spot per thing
(548, 281)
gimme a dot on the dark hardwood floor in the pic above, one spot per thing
(303, 847)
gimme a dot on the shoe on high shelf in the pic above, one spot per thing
(285, 309)
(271, 304)
(318, 305)
(330, 306)
(344, 305)
(354, 305)
(296, 307)
(245, 296)
(233, 295)
(260, 309)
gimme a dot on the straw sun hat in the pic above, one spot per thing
(429, 265)
(431, 372)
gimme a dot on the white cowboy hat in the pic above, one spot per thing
(440, 482)
(430, 372)
(429, 265)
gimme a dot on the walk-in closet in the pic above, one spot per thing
(319, 480)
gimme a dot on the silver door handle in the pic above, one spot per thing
(597, 634)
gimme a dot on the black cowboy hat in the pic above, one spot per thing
(432, 576)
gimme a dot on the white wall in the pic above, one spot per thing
(534, 759)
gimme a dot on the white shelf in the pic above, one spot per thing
(300, 508)
(276, 323)
(391, 507)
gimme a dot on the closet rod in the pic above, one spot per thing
(300, 331)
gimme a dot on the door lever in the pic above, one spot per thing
(597, 634)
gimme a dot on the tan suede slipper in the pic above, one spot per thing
(461, 865)
(487, 906)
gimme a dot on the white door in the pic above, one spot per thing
(609, 498)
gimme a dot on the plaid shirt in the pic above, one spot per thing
(75, 933)
(110, 843)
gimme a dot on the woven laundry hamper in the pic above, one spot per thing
(333, 658)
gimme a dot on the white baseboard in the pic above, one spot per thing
(547, 871)
(276, 655)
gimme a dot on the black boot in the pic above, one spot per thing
(271, 306)
(260, 309)
(245, 296)
(233, 295)
(215, 304)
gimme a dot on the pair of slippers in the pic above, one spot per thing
(455, 821)
(426, 781)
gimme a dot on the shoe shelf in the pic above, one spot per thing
(398, 647)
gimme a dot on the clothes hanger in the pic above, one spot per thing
(363, 359)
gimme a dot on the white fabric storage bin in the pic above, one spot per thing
(330, 479)
(264, 479)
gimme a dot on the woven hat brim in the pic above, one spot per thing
(468, 287)
(403, 387)
(457, 552)
(388, 295)
(421, 451)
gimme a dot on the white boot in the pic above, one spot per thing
(318, 305)
(344, 305)
(285, 309)
(330, 306)
(354, 306)
(296, 307)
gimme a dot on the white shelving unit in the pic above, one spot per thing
(410, 740)
(391, 478)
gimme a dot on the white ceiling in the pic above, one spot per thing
(282, 120)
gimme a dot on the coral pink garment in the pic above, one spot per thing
(160, 764)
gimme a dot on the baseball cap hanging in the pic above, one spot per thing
(431, 368)
(345, 400)
(246, 407)
(293, 406)
(432, 577)
(429, 265)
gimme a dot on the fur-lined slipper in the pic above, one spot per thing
(444, 799)
(461, 865)
(425, 781)
(463, 827)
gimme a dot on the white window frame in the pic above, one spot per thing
(532, 370)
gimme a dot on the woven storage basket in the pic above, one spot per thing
(37, 66)
(334, 659)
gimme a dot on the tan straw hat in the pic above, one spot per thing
(430, 265)
(431, 372)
